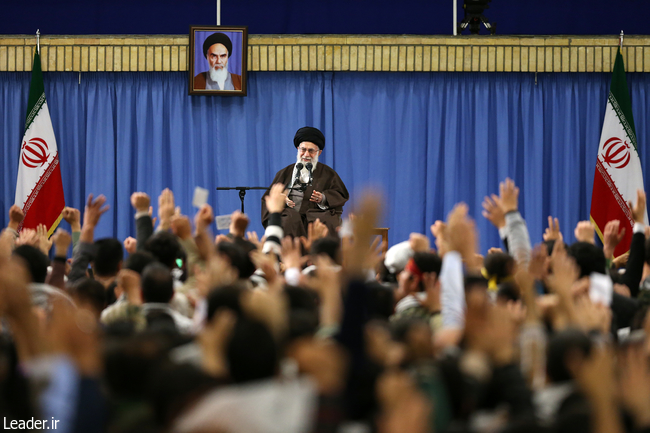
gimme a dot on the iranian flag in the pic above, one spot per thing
(39, 190)
(618, 168)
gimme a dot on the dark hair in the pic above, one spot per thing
(303, 312)
(139, 260)
(239, 259)
(427, 263)
(165, 247)
(108, 256)
(559, 347)
(225, 297)
(508, 291)
(35, 260)
(588, 257)
(173, 387)
(380, 300)
(330, 246)
(499, 265)
(157, 284)
(90, 291)
(252, 353)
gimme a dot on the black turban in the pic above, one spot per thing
(308, 133)
(217, 38)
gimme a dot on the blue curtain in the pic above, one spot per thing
(426, 140)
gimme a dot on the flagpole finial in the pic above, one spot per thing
(620, 40)
(38, 41)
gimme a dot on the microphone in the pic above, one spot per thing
(299, 166)
(309, 166)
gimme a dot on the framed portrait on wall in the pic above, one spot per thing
(218, 57)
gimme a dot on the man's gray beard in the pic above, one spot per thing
(314, 161)
(218, 75)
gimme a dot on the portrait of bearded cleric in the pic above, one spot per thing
(218, 60)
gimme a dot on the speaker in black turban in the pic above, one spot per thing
(217, 38)
(308, 133)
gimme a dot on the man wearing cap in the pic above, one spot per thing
(217, 49)
(315, 190)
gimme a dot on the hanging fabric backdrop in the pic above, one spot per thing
(426, 140)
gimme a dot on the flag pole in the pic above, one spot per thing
(620, 40)
(218, 12)
(455, 17)
(38, 41)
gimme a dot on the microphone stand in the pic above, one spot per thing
(242, 191)
(309, 167)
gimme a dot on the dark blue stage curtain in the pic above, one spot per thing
(427, 140)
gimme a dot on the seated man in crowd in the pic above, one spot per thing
(315, 191)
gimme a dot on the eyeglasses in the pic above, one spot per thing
(309, 151)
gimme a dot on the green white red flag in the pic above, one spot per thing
(618, 167)
(39, 190)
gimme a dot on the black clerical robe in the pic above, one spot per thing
(324, 180)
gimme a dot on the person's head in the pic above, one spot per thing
(561, 347)
(157, 284)
(35, 261)
(90, 294)
(588, 257)
(330, 246)
(411, 280)
(252, 353)
(165, 248)
(217, 49)
(238, 258)
(139, 260)
(310, 143)
(499, 266)
(226, 297)
(108, 257)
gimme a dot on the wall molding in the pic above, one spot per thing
(359, 53)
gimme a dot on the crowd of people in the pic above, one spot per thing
(174, 330)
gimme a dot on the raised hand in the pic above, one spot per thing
(493, 212)
(612, 237)
(508, 196)
(276, 198)
(44, 243)
(73, 217)
(16, 216)
(62, 241)
(140, 201)
(552, 232)
(461, 234)
(438, 230)
(166, 208)
(203, 218)
(181, 226)
(28, 237)
(130, 245)
(584, 232)
(638, 210)
(315, 230)
(94, 210)
(291, 253)
(357, 252)
(238, 224)
(419, 242)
